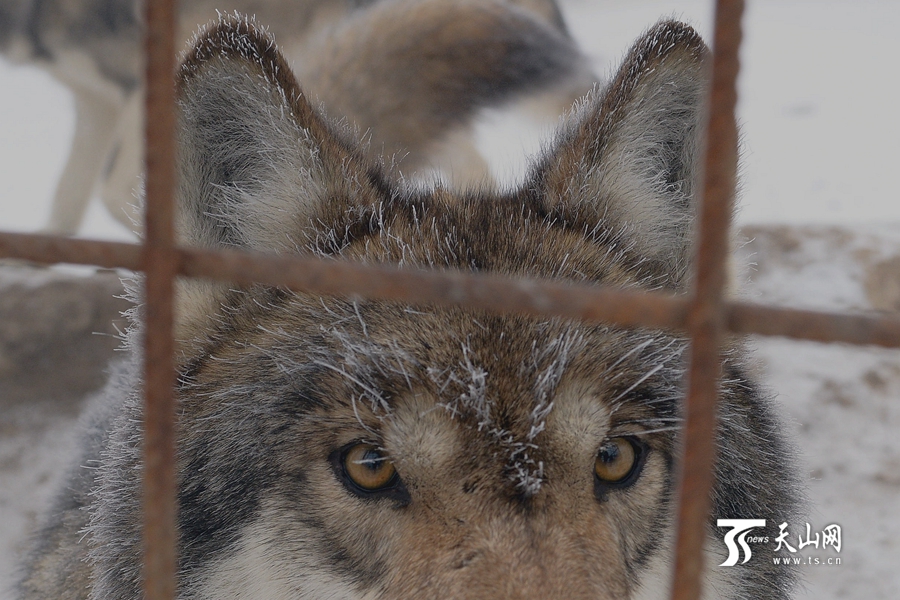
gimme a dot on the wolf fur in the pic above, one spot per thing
(493, 422)
(448, 59)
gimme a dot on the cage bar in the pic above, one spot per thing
(589, 303)
(706, 319)
(160, 266)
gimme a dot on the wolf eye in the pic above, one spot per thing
(618, 462)
(615, 460)
(367, 467)
(367, 473)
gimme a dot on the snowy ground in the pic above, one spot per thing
(820, 134)
(841, 402)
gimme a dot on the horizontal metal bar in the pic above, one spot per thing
(50, 249)
(449, 288)
(815, 326)
(547, 298)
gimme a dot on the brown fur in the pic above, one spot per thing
(493, 423)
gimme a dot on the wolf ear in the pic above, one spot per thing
(626, 162)
(256, 162)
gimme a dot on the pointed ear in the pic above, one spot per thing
(627, 161)
(257, 164)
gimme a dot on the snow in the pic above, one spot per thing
(820, 128)
(820, 136)
(35, 443)
(840, 402)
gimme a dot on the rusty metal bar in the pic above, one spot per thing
(49, 249)
(814, 326)
(449, 288)
(160, 267)
(706, 319)
(588, 303)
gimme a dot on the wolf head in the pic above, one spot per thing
(367, 449)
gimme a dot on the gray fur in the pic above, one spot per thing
(57, 555)
(492, 422)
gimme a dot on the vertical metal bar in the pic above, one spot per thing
(160, 265)
(706, 321)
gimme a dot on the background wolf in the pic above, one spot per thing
(446, 58)
(331, 448)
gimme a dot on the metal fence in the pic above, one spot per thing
(705, 315)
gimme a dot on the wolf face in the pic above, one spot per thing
(367, 449)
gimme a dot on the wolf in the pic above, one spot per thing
(446, 58)
(344, 448)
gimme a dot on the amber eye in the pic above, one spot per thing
(616, 461)
(367, 467)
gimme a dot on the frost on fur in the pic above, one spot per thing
(464, 392)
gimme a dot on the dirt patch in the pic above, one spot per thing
(56, 335)
(882, 284)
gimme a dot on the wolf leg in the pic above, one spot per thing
(122, 179)
(95, 121)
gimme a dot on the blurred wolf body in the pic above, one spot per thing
(438, 62)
